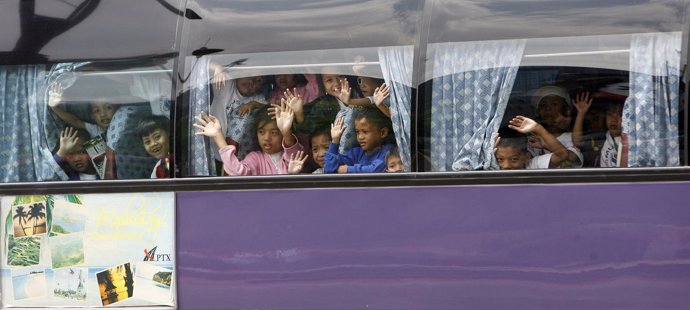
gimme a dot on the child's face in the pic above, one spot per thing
(78, 159)
(394, 164)
(319, 147)
(102, 113)
(369, 136)
(551, 111)
(614, 118)
(510, 158)
(367, 85)
(157, 143)
(270, 138)
(248, 86)
(285, 81)
(331, 83)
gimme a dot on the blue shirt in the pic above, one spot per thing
(356, 159)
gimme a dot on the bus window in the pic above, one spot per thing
(84, 120)
(609, 96)
(244, 93)
(597, 101)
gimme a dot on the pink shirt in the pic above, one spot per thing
(309, 91)
(257, 162)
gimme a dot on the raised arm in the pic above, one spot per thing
(582, 103)
(527, 125)
(208, 125)
(54, 99)
(295, 101)
(68, 142)
(380, 94)
(219, 75)
(284, 118)
(333, 162)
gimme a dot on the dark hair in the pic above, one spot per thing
(613, 105)
(377, 81)
(299, 79)
(149, 124)
(393, 152)
(374, 116)
(512, 139)
(261, 117)
(323, 131)
(83, 135)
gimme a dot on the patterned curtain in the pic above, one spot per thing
(25, 126)
(396, 64)
(650, 115)
(201, 160)
(472, 82)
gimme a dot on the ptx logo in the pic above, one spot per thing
(150, 255)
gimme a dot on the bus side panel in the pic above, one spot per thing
(595, 246)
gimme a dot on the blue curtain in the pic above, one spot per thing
(650, 115)
(396, 65)
(25, 155)
(472, 82)
(201, 160)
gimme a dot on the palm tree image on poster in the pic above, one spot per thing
(31, 222)
(116, 284)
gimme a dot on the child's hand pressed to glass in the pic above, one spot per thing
(69, 142)
(55, 95)
(297, 161)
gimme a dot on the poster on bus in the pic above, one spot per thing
(92, 250)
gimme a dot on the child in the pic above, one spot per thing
(71, 156)
(553, 107)
(275, 137)
(101, 112)
(302, 85)
(320, 141)
(591, 139)
(153, 132)
(511, 150)
(376, 91)
(393, 161)
(611, 151)
(372, 128)
(232, 105)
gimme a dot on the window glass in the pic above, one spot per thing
(560, 102)
(86, 121)
(249, 96)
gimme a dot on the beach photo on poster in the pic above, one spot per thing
(153, 283)
(29, 219)
(28, 283)
(67, 218)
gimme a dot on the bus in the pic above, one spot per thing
(113, 193)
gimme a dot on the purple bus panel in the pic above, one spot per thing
(595, 246)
